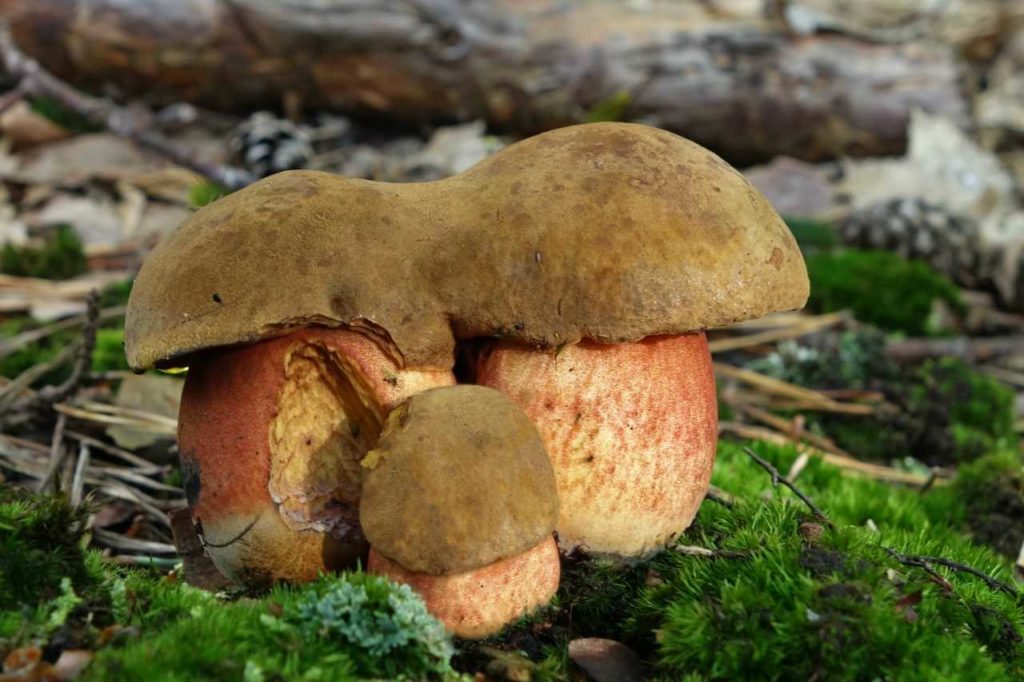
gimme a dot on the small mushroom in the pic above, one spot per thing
(271, 435)
(459, 502)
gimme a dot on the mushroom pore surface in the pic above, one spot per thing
(458, 480)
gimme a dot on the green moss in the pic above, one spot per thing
(109, 352)
(881, 288)
(203, 193)
(612, 108)
(347, 627)
(40, 545)
(788, 604)
(62, 116)
(992, 491)
(812, 235)
(978, 404)
(836, 607)
(62, 256)
(941, 412)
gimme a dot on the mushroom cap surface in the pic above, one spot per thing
(459, 479)
(606, 231)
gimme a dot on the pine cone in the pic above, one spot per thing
(265, 144)
(917, 229)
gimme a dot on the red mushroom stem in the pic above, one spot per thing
(631, 430)
(271, 435)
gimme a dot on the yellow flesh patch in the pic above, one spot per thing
(326, 422)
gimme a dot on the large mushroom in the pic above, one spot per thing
(617, 244)
(459, 502)
(271, 435)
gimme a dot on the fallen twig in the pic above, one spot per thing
(57, 454)
(785, 427)
(19, 341)
(816, 401)
(719, 496)
(48, 396)
(929, 562)
(117, 541)
(778, 478)
(34, 80)
(965, 348)
(78, 480)
(847, 464)
(804, 325)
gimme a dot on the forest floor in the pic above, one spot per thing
(866, 519)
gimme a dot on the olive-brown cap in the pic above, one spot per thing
(607, 231)
(458, 480)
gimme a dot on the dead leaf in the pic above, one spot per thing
(74, 161)
(25, 128)
(157, 394)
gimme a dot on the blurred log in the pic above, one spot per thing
(739, 86)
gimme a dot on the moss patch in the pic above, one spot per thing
(40, 545)
(992, 493)
(347, 627)
(61, 256)
(941, 412)
(782, 602)
(882, 289)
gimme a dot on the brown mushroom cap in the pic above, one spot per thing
(458, 480)
(607, 231)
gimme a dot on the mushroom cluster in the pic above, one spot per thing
(574, 272)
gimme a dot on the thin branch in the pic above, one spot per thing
(929, 562)
(57, 454)
(123, 122)
(12, 97)
(719, 496)
(50, 395)
(78, 481)
(778, 478)
(15, 343)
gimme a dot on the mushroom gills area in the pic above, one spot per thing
(326, 422)
(631, 430)
(480, 602)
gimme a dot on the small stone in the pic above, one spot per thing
(605, 660)
(72, 663)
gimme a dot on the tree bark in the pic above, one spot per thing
(739, 86)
